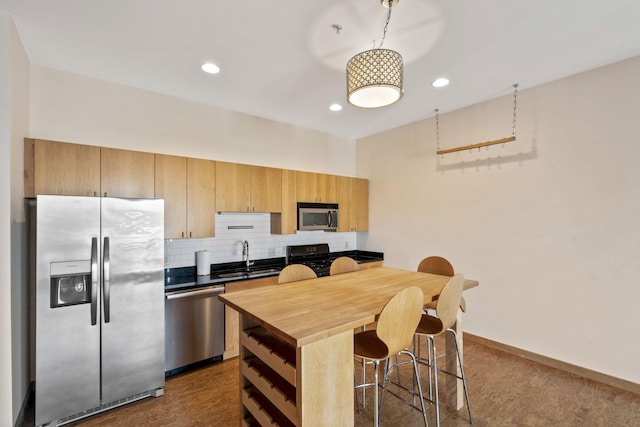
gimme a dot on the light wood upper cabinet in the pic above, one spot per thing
(285, 222)
(188, 189)
(344, 192)
(266, 189)
(315, 187)
(360, 188)
(171, 185)
(247, 188)
(233, 181)
(125, 173)
(353, 201)
(201, 197)
(60, 168)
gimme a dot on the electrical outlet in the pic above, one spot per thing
(271, 251)
(346, 245)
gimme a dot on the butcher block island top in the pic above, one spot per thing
(296, 342)
(309, 310)
(306, 311)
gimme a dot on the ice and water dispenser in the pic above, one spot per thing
(70, 283)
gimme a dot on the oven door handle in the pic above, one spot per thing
(193, 293)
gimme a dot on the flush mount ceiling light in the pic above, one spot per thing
(374, 77)
(440, 82)
(210, 68)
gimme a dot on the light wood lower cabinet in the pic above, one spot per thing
(231, 336)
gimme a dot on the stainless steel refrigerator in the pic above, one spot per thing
(99, 304)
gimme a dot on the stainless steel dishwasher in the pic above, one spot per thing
(194, 327)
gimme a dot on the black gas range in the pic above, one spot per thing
(316, 256)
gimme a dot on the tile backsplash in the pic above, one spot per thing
(233, 229)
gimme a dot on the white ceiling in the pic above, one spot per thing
(283, 60)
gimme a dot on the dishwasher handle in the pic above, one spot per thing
(196, 292)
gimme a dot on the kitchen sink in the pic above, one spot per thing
(249, 274)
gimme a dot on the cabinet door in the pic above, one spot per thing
(316, 187)
(266, 189)
(201, 197)
(233, 187)
(60, 168)
(344, 191)
(285, 222)
(171, 185)
(306, 186)
(326, 188)
(125, 173)
(360, 189)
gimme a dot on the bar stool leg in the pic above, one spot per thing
(434, 366)
(376, 408)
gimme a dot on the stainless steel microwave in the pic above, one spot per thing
(318, 216)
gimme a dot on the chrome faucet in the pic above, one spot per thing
(245, 254)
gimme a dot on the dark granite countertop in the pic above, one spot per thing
(182, 278)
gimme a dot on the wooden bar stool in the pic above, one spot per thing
(432, 326)
(295, 272)
(394, 332)
(344, 264)
(441, 266)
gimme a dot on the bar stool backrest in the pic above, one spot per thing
(449, 301)
(399, 319)
(436, 265)
(344, 264)
(296, 272)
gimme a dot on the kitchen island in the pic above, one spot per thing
(296, 342)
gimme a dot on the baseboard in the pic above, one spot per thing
(553, 363)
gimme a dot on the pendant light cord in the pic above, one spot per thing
(386, 25)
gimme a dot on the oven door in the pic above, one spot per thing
(317, 219)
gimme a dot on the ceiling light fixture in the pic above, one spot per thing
(374, 77)
(210, 68)
(440, 82)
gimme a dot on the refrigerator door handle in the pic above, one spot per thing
(105, 280)
(94, 280)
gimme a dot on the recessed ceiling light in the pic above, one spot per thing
(441, 82)
(210, 68)
(335, 107)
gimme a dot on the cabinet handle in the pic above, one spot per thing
(189, 234)
(95, 193)
(182, 234)
(105, 194)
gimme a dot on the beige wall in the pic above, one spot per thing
(14, 122)
(6, 412)
(73, 108)
(548, 224)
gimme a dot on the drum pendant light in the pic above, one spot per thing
(374, 77)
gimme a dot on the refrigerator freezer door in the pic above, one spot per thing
(133, 338)
(67, 344)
